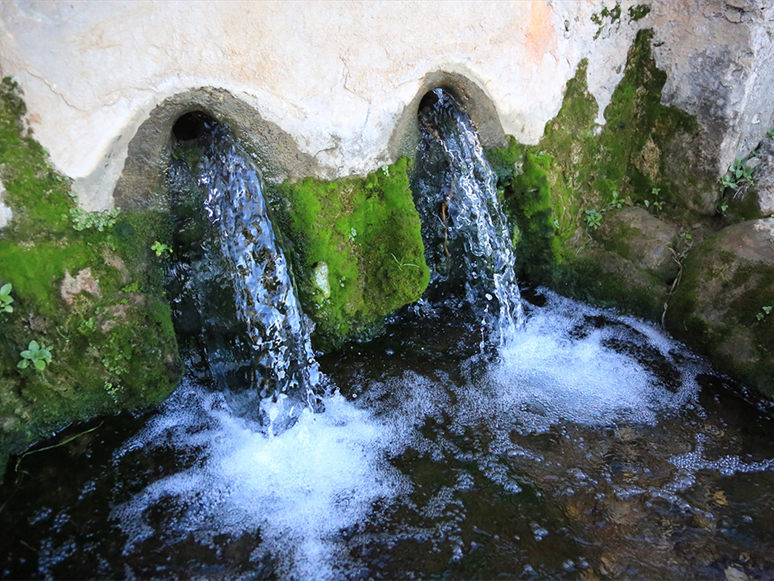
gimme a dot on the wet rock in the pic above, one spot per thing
(609, 279)
(641, 238)
(735, 574)
(723, 304)
(763, 190)
(82, 282)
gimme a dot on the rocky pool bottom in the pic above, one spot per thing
(590, 446)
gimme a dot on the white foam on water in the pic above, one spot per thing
(328, 473)
(727, 465)
(300, 489)
(560, 368)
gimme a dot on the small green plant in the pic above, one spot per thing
(616, 202)
(593, 219)
(83, 220)
(722, 208)
(160, 248)
(37, 355)
(687, 236)
(770, 133)
(5, 298)
(88, 326)
(401, 264)
(112, 390)
(738, 177)
(132, 288)
(766, 312)
(657, 204)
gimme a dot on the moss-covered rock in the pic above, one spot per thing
(609, 280)
(357, 250)
(561, 190)
(725, 302)
(641, 238)
(109, 329)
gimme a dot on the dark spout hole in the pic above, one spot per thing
(190, 126)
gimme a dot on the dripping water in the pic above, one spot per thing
(230, 286)
(467, 240)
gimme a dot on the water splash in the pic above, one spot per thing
(263, 341)
(467, 239)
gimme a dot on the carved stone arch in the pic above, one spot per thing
(474, 100)
(142, 181)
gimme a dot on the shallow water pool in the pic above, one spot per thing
(589, 446)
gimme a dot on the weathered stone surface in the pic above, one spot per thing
(340, 79)
(717, 56)
(719, 305)
(641, 238)
(764, 178)
(84, 281)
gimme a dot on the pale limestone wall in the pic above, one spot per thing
(335, 76)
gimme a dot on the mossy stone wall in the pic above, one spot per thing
(112, 344)
(554, 191)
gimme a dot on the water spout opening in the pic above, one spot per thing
(467, 239)
(190, 126)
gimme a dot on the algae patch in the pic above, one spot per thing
(112, 347)
(579, 166)
(356, 248)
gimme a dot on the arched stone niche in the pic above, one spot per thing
(476, 103)
(142, 181)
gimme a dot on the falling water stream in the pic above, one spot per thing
(226, 255)
(468, 243)
(591, 446)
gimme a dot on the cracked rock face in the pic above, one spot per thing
(717, 55)
(764, 178)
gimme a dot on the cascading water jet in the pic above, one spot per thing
(229, 282)
(467, 240)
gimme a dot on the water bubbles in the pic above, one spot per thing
(538, 531)
(300, 488)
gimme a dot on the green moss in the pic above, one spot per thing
(112, 351)
(531, 206)
(366, 231)
(638, 12)
(716, 308)
(609, 280)
(580, 166)
(607, 16)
